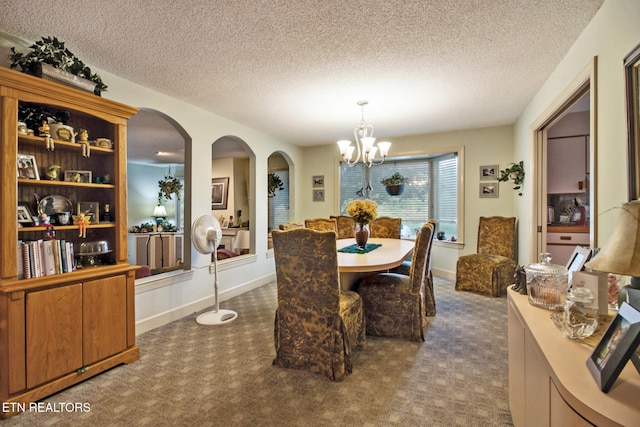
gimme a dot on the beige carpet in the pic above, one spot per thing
(192, 375)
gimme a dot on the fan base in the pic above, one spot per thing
(219, 317)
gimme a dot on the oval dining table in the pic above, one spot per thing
(354, 266)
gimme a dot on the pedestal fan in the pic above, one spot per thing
(206, 235)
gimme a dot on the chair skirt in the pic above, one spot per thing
(485, 274)
(390, 309)
(321, 345)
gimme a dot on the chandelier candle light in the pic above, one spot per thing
(364, 143)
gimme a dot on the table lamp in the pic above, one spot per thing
(621, 253)
(242, 241)
(159, 213)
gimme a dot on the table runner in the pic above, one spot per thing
(355, 249)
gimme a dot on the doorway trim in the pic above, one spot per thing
(585, 81)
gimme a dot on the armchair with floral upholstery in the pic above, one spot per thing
(490, 270)
(317, 325)
(394, 304)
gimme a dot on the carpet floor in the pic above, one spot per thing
(193, 375)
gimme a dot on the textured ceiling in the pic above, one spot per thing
(296, 69)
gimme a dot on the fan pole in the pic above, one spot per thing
(206, 236)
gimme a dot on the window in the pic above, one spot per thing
(279, 204)
(432, 191)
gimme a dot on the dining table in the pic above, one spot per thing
(354, 266)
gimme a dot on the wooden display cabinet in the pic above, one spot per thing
(62, 328)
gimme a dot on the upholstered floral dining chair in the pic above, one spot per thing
(317, 325)
(394, 303)
(322, 224)
(346, 226)
(386, 227)
(490, 270)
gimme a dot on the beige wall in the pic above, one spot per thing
(610, 36)
(487, 146)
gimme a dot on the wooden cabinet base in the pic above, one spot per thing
(13, 402)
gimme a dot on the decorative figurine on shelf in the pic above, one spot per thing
(82, 221)
(76, 177)
(44, 130)
(84, 135)
(50, 232)
(52, 172)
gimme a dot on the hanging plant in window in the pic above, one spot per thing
(274, 184)
(515, 172)
(169, 185)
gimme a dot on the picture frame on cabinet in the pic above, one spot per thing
(632, 82)
(489, 190)
(219, 193)
(489, 172)
(25, 216)
(78, 176)
(27, 167)
(618, 344)
(92, 209)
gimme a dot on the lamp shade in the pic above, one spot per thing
(621, 253)
(242, 240)
(159, 212)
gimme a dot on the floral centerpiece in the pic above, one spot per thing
(362, 212)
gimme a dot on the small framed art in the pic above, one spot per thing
(78, 176)
(617, 345)
(27, 167)
(219, 193)
(318, 195)
(488, 173)
(489, 190)
(25, 216)
(318, 181)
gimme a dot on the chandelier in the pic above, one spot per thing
(365, 141)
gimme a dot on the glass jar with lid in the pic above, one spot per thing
(579, 319)
(547, 283)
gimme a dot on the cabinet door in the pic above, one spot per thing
(105, 318)
(53, 333)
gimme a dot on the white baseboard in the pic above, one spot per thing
(160, 319)
(451, 275)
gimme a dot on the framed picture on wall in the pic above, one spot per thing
(489, 190)
(219, 193)
(318, 195)
(318, 181)
(489, 173)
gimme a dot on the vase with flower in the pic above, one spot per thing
(362, 212)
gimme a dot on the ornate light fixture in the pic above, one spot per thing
(364, 143)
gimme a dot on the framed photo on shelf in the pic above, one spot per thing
(489, 190)
(617, 345)
(318, 181)
(27, 167)
(78, 176)
(225, 223)
(318, 195)
(489, 173)
(25, 216)
(90, 209)
(219, 193)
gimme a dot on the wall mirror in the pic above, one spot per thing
(632, 76)
(159, 225)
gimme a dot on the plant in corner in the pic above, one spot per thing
(50, 50)
(515, 172)
(394, 184)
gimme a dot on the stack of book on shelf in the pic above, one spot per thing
(38, 258)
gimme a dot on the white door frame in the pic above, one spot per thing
(583, 82)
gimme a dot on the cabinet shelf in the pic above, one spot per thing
(53, 183)
(39, 141)
(67, 227)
